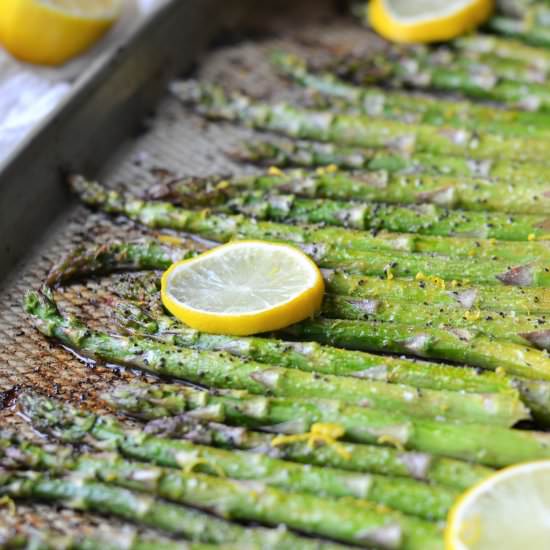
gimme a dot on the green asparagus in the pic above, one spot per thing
(488, 445)
(431, 502)
(311, 357)
(361, 252)
(360, 130)
(414, 108)
(310, 154)
(145, 510)
(528, 24)
(363, 525)
(224, 370)
(456, 345)
(76, 426)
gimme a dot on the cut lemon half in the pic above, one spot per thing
(427, 20)
(49, 32)
(243, 288)
(509, 510)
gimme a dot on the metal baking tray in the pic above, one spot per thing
(120, 125)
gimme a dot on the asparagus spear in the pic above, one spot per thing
(338, 248)
(353, 129)
(311, 357)
(504, 47)
(528, 24)
(73, 425)
(475, 194)
(440, 73)
(76, 493)
(311, 154)
(422, 219)
(224, 370)
(365, 525)
(147, 255)
(409, 108)
(118, 540)
(405, 495)
(457, 345)
(487, 445)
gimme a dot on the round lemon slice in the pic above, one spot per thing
(508, 511)
(49, 32)
(427, 20)
(243, 288)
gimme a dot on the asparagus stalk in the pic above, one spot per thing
(118, 540)
(488, 445)
(75, 493)
(456, 345)
(359, 130)
(103, 259)
(504, 47)
(441, 73)
(475, 194)
(337, 248)
(405, 495)
(414, 108)
(528, 24)
(311, 357)
(224, 370)
(365, 525)
(422, 219)
(311, 154)
(69, 424)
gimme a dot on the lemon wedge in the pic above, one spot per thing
(426, 20)
(509, 510)
(50, 32)
(243, 288)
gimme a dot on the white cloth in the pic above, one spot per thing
(28, 94)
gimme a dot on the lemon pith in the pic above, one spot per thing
(52, 32)
(414, 21)
(243, 288)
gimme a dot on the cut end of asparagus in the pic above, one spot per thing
(521, 275)
(539, 338)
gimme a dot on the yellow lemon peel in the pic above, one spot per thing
(326, 433)
(392, 440)
(436, 281)
(274, 171)
(472, 315)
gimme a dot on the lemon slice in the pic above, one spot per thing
(50, 32)
(426, 20)
(508, 511)
(243, 288)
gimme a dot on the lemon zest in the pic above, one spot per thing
(500, 371)
(454, 283)
(331, 168)
(170, 239)
(436, 281)
(326, 433)
(531, 237)
(274, 171)
(389, 274)
(188, 469)
(472, 315)
(222, 184)
(392, 441)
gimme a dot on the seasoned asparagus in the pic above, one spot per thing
(365, 525)
(339, 247)
(359, 130)
(69, 424)
(224, 370)
(484, 444)
(414, 108)
(456, 345)
(439, 72)
(526, 23)
(145, 510)
(312, 357)
(311, 154)
(431, 502)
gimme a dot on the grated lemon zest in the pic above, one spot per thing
(531, 237)
(472, 315)
(331, 168)
(170, 239)
(389, 274)
(392, 441)
(274, 171)
(326, 433)
(222, 184)
(436, 281)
